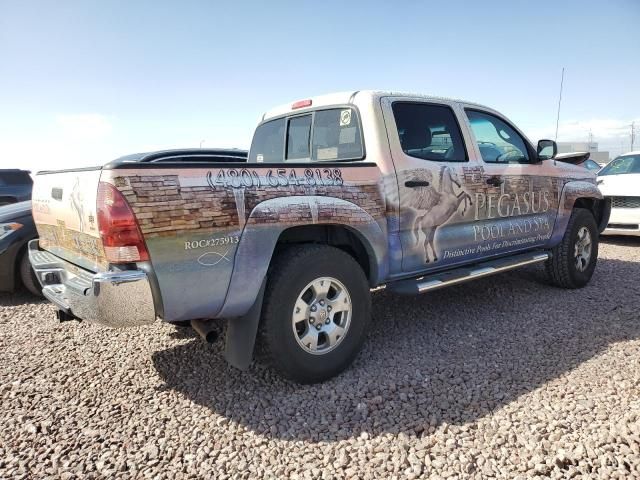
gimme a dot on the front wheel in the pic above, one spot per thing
(315, 313)
(574, 259)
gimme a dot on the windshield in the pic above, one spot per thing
(622, 165)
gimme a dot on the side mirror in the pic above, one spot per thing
(547, 149)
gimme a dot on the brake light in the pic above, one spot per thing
(301, 104)
(121, 236)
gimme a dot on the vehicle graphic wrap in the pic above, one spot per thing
(227, 221)
(457, 218)
(572, 190)
(64, 210)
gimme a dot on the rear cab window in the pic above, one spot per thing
(324, 135)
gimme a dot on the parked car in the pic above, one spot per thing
(16, 230)
(340, 193)
(15, 186)
(619, 180)
(579, 158)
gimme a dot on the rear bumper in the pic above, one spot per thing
(114, 299)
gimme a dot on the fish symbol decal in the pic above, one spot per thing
(211, 259)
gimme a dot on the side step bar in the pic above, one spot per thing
(435, 281)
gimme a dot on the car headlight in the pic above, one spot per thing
(7, 229)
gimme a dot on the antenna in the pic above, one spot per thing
(559, 103)
(633, 134)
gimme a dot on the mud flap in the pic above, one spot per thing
(241, 334)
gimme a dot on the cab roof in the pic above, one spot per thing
(343, 98)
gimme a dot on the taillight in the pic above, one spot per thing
(121, 236)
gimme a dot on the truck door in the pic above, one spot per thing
(516, 199)
(432, 167)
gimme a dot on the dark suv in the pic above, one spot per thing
(15, 186)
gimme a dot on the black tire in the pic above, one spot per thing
(28, 277)
(290, 271)
(561, 268)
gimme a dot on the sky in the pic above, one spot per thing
(84, 82)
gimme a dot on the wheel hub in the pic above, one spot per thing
(322, 315)
(582, 251)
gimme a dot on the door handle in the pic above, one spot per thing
(416, 183)
(495, 181)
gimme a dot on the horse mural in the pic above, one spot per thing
(76, 203)
(433, 207)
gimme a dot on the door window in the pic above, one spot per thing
(498, 142)
(429, 132)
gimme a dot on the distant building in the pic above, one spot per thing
(591, 147)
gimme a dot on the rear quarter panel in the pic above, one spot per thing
(193, 221)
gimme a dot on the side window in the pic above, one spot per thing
(268, 142)
(498, 142)
(336, 135)
(298, 138)
(429, 132)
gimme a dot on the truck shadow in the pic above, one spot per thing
(452, 356)
(621, 240)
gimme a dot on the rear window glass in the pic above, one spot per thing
(298, 138)
(322, 135)
(15, 178)
(268, 142)
(336, 135)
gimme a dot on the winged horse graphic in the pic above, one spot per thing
(76, 203)
(433, 207)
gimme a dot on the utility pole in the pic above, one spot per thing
(559, 103)
(633, 134)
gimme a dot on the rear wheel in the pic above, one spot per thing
(574, 258)
(315, 313)
(28, 276)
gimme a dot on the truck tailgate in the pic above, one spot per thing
(64, 211)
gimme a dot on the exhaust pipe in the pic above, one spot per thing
(207, 329)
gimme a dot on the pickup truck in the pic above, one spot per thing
(339, 194)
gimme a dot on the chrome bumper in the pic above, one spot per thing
(114, 299)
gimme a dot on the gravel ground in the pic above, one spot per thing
(501, 378)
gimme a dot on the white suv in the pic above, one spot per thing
(620, 180)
